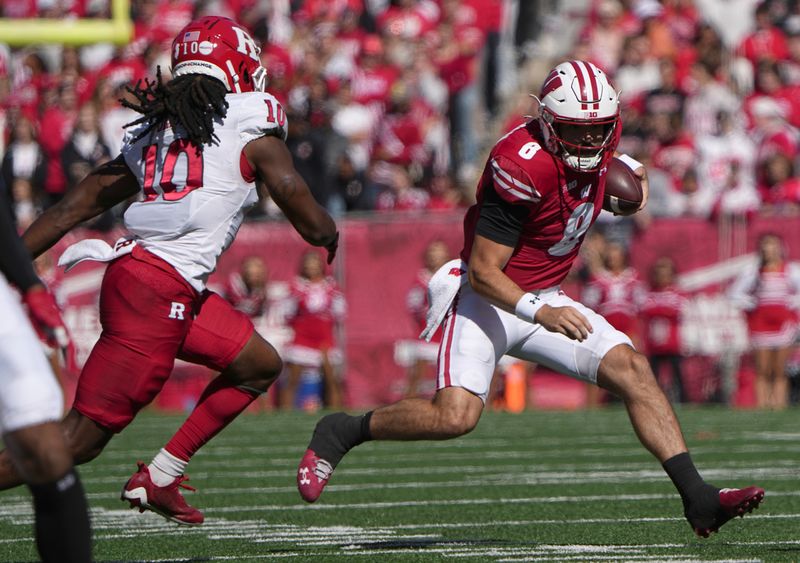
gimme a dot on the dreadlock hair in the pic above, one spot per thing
(191, 101)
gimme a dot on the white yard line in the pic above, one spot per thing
(366, 542)
(411, 503)
(464, 502)
(480, 476)
(486, 449)
(116, 474)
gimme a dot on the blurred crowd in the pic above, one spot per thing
(710, 99)
(392, 103)
(382, 97)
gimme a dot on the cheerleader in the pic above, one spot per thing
(769, 293)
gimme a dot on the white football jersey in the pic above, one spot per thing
(194, 200)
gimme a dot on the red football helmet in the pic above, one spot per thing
(579, 115)
(218, 47)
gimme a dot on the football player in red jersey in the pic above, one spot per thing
(541, 189)
(194, 156)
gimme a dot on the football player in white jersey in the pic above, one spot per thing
(31, 405)
(542, 188)
(206, 145)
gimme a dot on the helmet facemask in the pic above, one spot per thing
(259, 78)
(564, 138)
(258, 75)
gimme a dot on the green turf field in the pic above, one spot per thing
(540, 486)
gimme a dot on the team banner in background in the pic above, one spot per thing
(377, 263)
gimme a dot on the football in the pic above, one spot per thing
(623, 194)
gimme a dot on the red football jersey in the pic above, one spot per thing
(563, 205)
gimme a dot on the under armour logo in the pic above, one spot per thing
(304, 480)
(176, 310)
(455, 272)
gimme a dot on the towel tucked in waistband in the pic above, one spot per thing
(94, 249)
(442, 289)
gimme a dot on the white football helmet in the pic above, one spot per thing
(577, 93)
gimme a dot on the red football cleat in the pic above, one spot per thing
(312, 476)
(167, 501)
(732, 503)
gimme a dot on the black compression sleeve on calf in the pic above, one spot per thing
(63, 533)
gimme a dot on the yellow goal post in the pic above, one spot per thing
(118, 29)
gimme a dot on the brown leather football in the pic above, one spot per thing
(623, 194)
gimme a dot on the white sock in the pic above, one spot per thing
(165, 468)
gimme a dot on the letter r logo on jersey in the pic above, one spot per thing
(176, 310)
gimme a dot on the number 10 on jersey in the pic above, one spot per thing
(173, 187)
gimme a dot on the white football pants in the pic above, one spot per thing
(477, 334)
